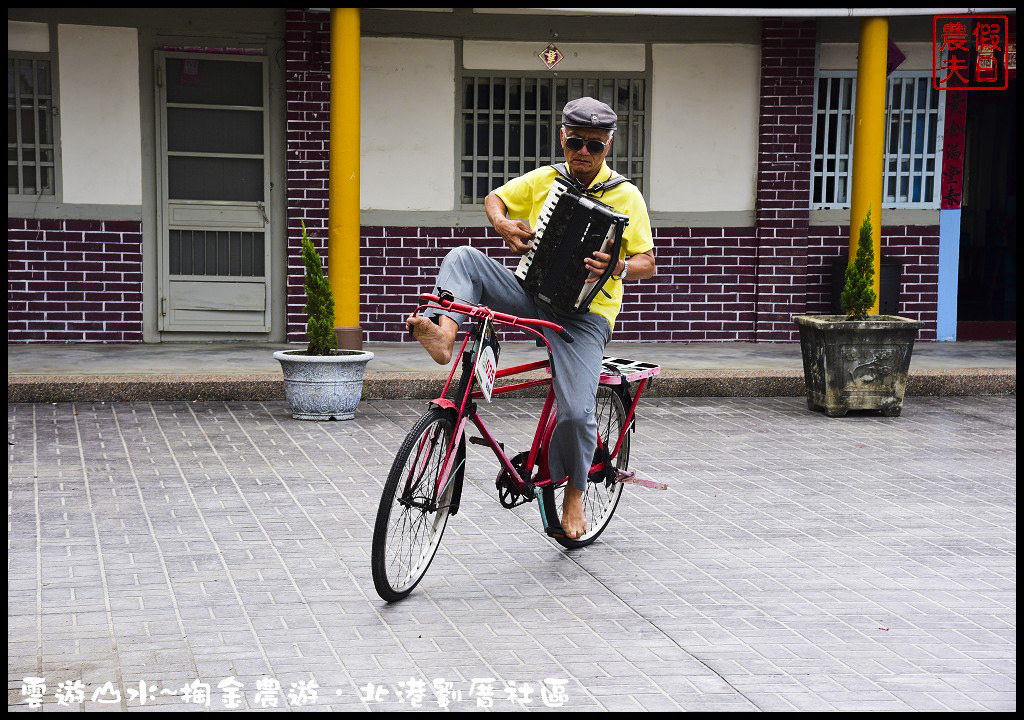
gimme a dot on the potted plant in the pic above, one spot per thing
(321, 382)
(856, 361)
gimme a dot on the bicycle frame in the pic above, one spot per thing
(466, 410)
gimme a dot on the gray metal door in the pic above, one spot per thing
(213, 184)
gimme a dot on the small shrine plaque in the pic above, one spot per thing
(550, 56)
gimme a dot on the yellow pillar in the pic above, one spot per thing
(343, 211)
(869, 139)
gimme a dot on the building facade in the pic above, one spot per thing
(162, 162)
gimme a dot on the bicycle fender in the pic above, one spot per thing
(622, 389)
(460, 474)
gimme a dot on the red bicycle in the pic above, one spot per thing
(424, 486)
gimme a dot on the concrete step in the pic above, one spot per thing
(232, 371)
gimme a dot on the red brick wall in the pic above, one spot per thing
(703, 291)
(916, 248)
(74, 281)
(399, 263)
(308, 94)
(784, 175)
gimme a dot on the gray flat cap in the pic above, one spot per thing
(588, 112)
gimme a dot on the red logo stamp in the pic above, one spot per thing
(969, 52)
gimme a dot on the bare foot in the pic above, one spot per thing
(574, 522)
(438, 340)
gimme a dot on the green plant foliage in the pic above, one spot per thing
(858, 289)
(319, 306)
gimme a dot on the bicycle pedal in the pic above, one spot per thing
(481, 441)
(630, 477)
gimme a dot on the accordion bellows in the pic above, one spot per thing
(570, 228)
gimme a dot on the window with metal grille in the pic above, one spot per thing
(913, 140)
(31, 166)
(510, 126)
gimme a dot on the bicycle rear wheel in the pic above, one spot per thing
(600, 499)
(409, 522)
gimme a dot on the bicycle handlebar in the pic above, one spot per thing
(505, 319)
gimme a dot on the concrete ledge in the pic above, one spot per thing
(397, 385)
(950, 383)
(111, 388)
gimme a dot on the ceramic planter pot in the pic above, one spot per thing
(856, 365)
(324, 387)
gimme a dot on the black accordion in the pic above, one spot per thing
(571, 226)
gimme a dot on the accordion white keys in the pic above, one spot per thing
(570, 228)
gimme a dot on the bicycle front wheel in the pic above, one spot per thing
(600, 499)
(410, 521)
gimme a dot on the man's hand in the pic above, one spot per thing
(597, 265)
(516, 234)
(641, 266)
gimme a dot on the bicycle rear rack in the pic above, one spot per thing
(615, 371)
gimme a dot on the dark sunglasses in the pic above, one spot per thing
(595, 147)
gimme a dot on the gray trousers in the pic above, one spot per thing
(476, 278)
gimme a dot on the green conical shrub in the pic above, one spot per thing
(319, 306)
(858, 289)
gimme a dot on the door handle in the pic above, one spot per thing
(266, 220)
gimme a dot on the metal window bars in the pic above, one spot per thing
(913, 141)
(510, 126)
(216, 253)
(31, 163)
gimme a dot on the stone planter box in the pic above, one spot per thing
(856, 365)
(323, 387)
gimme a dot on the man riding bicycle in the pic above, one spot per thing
(586, 135)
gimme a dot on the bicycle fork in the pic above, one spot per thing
(448, 468)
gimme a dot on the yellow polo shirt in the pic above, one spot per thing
(524, 196)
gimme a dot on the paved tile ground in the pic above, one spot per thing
(796, 562)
